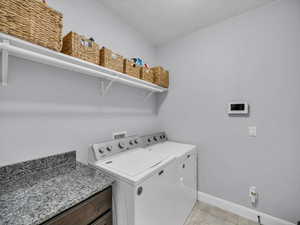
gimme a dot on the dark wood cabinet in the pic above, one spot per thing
(104, 220)
(96, 211)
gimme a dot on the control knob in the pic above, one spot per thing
(131, 142)
(109, 148)
(121, 145)
(155, 138)
(136, 141)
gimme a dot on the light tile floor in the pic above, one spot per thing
(204, 214)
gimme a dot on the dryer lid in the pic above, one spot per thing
(135, 162)
(172, 148)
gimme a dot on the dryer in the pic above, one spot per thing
(186, 172)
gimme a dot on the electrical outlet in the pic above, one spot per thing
(252, 131)
(119, 135)
(253, 195)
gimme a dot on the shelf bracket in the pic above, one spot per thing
(104, 89)
(148, 95)
(4, 64)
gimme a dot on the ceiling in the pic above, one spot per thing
(163, 20)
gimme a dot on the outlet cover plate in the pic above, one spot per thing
(252, 131)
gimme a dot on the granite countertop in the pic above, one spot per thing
(35, 191)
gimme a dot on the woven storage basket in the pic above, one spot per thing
(111, 60)
(33, 21)
(161, 76)
(131, 68)
(81, 47)
(147, 74)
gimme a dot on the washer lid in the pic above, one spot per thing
(171, 148)
(134, 162)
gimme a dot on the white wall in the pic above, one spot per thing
(253, 57)
(92, 19)
(45, 110)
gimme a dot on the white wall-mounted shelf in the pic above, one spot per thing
(15, 47)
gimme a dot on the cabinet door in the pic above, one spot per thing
(104, 220)
(155, 199)
(85, 212)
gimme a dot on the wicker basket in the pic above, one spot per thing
(33, 21)
(81, 47)
(131, 68)
(111, 60)
(161, 76)
(147, 74)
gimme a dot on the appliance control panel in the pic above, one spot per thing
(109, 148)
(153, 139)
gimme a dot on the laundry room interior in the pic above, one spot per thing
(149, 112)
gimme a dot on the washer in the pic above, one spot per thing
(155, 180)
(144, 188)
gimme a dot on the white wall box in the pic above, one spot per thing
(238, 108)
(12, 46)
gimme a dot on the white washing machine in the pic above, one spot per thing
(186, 178)
(151, 186)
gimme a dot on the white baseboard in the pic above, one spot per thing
(241, 210)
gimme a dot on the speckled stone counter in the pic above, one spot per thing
(34, 191)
